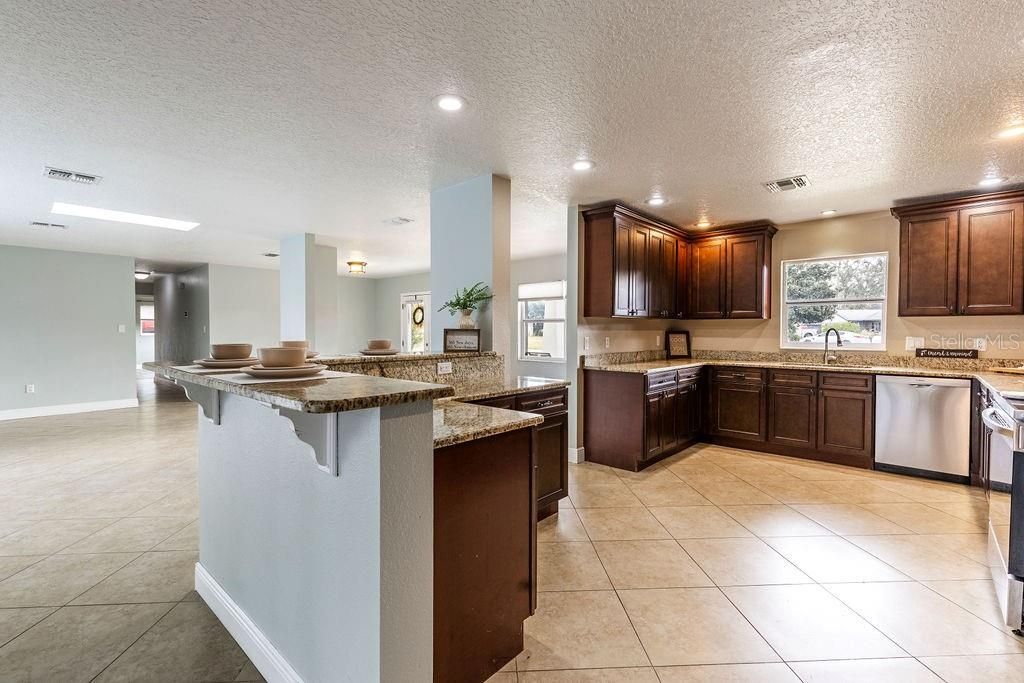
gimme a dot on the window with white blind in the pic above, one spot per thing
(542, 321)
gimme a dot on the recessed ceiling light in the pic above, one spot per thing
(991, 180)
(703, 223)
(120, 216)
(449, 102)
(356, 267)
(656, 200)
(828, 212)
(582, 165)
(142, 274)
(1011, 132)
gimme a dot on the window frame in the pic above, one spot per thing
(784, 304)
(522, 333)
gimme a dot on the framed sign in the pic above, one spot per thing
(946, 353)
(677, 344)
(457, 339)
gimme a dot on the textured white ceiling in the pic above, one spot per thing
(262, 118)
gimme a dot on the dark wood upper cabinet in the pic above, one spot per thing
(963, 256)
(746, 277)
(637, 266)
(707, 278)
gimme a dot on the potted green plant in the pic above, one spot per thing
(466, 301)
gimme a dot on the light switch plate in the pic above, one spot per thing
(914, 343)
(30, 388)
(586, 343)
(657, 341)
(122, 328)
(607, 342)
(444, 368)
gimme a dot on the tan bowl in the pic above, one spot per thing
(230, 351)
(282, 356)
(378, 344)
(295, 344)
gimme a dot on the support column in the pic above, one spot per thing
(574, 313)
(309, 292)
(470, 231)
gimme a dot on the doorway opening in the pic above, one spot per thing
(416, 322)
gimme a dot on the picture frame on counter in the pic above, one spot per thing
(677, 344)
(461, 340)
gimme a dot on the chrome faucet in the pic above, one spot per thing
(839, 343)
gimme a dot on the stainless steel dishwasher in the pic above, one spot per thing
(923, 426)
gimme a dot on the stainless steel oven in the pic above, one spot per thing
(1003, 470)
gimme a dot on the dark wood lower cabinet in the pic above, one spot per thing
(738, 411)
(552, 441)
(485, 554)
(846, 426)
(792, 416)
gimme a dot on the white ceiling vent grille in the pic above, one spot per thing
(71, 176)
(44, 224)
(398, 220)
(785, 184)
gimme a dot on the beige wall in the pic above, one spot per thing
(857, 234)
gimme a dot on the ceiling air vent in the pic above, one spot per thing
(44, 224)
(398, 220)
(786, 184)
(270, 254)
(71, 176)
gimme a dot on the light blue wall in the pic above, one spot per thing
(357, 313)
(461, 250)
(539, 269)
(387, 303)
(244, 306)
(59, 317)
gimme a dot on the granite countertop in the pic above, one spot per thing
(478, 391)
(456, 422)
(326, 395)
(1009, 386)
(358, 358)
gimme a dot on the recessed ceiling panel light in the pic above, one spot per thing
(992, 180)
(703, 223)
(120, 216)
(449, 102)
(582, 165)
(656, 200)
(1011, 132)
(828, 212)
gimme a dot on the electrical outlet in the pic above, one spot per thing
(30, 388)
(981, 343)
(607, 342)
(122, 328)
(444, 368)
(586, 343)
(914, 343)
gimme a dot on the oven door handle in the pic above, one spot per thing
(989, 417)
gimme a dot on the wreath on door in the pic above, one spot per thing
(417, 315)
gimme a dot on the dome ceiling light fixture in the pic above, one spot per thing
(450, 103)
(356, 267)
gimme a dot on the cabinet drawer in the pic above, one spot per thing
(793, 378)
(506, 402)
(741, 375)
(661, 380)
(847, 381)
(543, 402)
(688, 374)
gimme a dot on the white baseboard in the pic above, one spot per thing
(271, 663)
(576, 455)
(68, 409)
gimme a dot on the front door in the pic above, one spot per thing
(416, 322)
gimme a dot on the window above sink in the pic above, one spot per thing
(845, 293)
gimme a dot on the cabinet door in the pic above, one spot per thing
(552, 459)
(846, 425)
(738, 411)
(664, 300)
(792, 416)
(669, 406)
(652, 426)
(928, 264)
(687, 411)
(707, 278)
(991, 263)
(622, 276)
(682, 271)
(655, 273)
(745, 276)
(639, 265)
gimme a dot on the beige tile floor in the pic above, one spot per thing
(716, 565)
